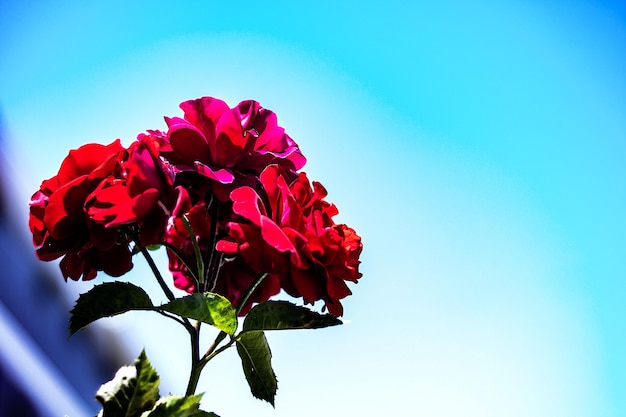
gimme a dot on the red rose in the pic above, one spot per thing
(59, 222)
(228, 276)
(290, 232)
(226, 145)
(141, 195)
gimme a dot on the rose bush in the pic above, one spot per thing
(222, 190)
(232, 174)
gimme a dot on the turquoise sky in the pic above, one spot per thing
(478, 147)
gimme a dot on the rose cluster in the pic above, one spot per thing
(221, 183)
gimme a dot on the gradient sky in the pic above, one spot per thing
(479, 148)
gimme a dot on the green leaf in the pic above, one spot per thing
(133, 390)
(106, 300)
(176, 406)
(210, 308)
(256, 360)
(147, 389)
(279, 315)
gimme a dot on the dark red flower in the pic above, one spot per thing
(290, 232)
(141, 195)
(60, 224)
(228, 276)
(228, 145)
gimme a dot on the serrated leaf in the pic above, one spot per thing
(282, 315)
(147, 389)
(256, 361)
(133, 390)
(107, 300)
(176, 406)
(210, 308)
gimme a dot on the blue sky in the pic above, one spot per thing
(479, 149)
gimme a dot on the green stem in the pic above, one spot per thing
(196, 250)
(180, 256)
(214, 256)
(213, 353)
(198, 363)
(242, 302)
(169, 316)
(156, 272)
(196, 366)
(194, 332)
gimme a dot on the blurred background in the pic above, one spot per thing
(479, 148)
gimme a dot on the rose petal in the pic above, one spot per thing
(84, 160)
(221, 175)
(188, 143)
(64, 215)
